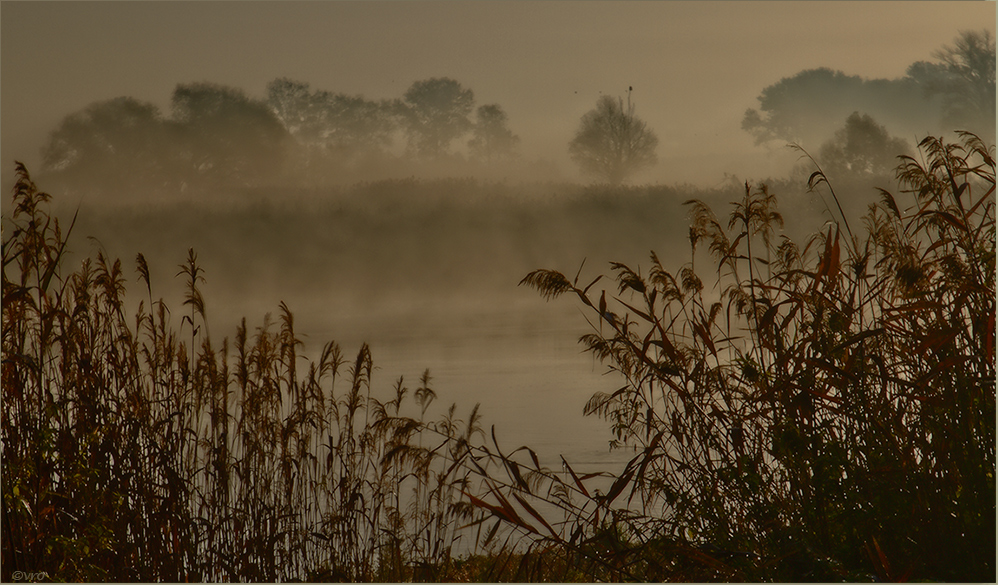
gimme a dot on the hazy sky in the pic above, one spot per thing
(695, 66)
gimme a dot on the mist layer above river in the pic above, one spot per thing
(427, 273)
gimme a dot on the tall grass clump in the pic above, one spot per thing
(814, 411)
(137, 450)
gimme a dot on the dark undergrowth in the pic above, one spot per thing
(821, 410)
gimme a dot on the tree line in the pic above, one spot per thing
(217, 136)
(957, 90)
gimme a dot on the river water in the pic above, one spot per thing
(518, 357)
(427, 276)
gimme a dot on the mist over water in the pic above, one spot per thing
(417, 249)
(427, 274)
(379, 222)
(407, 222)
(384, 176)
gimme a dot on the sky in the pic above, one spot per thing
(695, 66)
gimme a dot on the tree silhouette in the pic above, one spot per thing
(122, 139)
(611, 142)
(491, 136)
(957, 92)
(809, 106)
(862, 147)
(333, 133)
(329, 121)
(227, 136)
(297, 108)
(435, 113)
(964, 79)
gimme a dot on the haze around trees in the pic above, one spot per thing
(612, 143)
(216, 138)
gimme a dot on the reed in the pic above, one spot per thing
(134, 449)
(822, 410)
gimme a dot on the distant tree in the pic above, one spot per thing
(226, 136)
(964, 79)
(328, 121)
(356, 123)
(611, 142)
(809, 106)
(117, 143)
(491, 136)
(862, 147)
(435, 113)
(958, 92)
(295, 106)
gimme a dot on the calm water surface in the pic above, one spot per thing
(519, 357)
